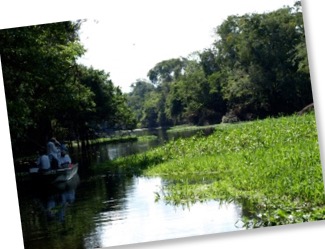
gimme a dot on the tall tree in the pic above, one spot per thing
(259, 54)
(168, 70)
(38, 63)
(49, 93)
(137, 97)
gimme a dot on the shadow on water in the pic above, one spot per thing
(44, 211)
(57, 201)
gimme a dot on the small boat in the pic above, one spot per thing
(55, 175)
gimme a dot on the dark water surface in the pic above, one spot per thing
(102, 211)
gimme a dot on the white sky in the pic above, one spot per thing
(128, 40)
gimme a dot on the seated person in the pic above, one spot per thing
(43, 162)
(65, 159)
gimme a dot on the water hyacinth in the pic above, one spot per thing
(271, 167)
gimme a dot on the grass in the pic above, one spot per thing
(117, 139)
(271, 167)
(189, 128)
(146, 138)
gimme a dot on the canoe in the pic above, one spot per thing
(55, 175)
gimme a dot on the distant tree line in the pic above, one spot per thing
(49, 94)
(257, 67)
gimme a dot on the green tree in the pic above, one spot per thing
(151, 111)
(49, 93)
(137, 97)
(39, 64)
(258, 52)
(199, 103)
(168, 70)
(124, 117)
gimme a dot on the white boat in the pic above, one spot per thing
(55, 175)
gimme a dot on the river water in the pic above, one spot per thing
(92, 211)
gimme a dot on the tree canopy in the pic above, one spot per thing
(48, 93)
(256, 67)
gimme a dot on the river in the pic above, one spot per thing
(94, 211)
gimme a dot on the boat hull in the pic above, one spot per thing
(55, 175)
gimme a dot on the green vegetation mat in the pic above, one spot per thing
(270, 167)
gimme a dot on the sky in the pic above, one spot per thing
(127, 42)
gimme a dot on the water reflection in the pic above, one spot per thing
(101, 211)
(110, 211)
(141, 219)
(55, 203)
(109, 151)
(44, 211)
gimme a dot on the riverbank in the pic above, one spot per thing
(272, 167)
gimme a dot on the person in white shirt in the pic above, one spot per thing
(65, 159)
(53, 152)
(43, 162)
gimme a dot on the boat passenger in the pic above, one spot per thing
(43, 162)
(53, 152)
(65, 159)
